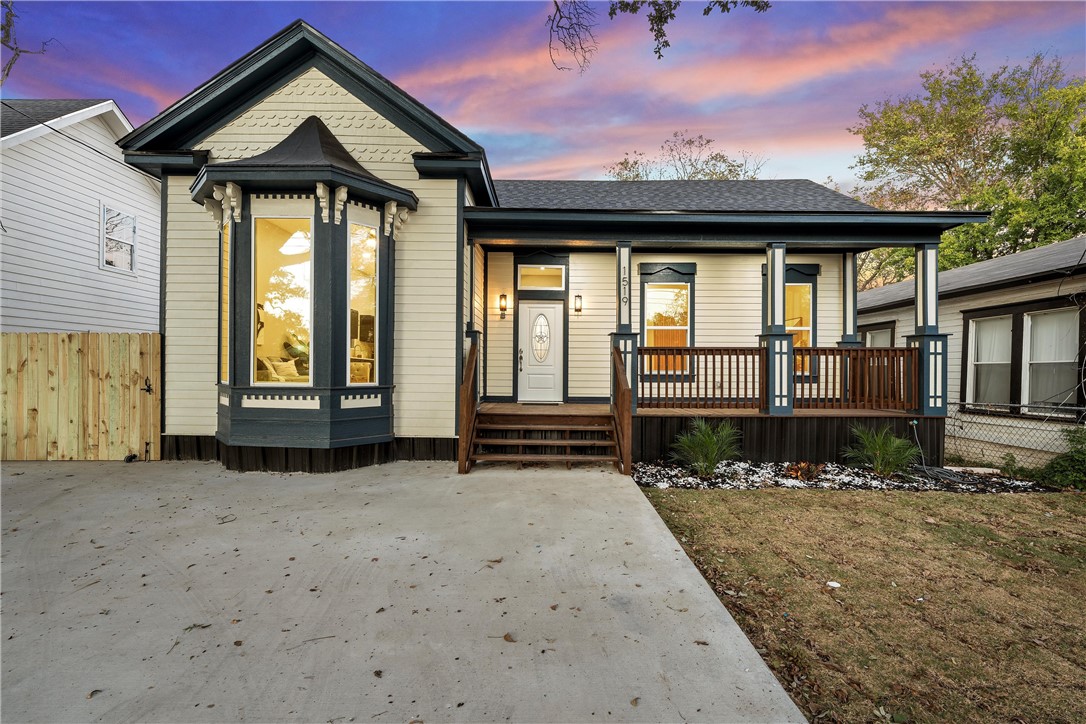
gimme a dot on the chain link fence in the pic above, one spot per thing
(987, 434)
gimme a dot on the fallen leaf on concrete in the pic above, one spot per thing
(237, 643)
(228, 518)
(509, 637)
(92, 694)
(380, 610)
(635, 701)
(699, 642)
(192, 626)
(378, 673)
(236, 620)
(496, 560)
(554, 607)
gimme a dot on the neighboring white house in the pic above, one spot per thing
(80, 249)
(1017, 348)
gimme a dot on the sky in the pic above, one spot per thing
(785, 84)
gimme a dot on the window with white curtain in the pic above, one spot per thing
(1051, 374)
(991, 373)
(1026, 359)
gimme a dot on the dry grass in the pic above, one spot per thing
(951, 607)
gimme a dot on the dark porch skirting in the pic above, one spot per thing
(306, 460)
(787, 439)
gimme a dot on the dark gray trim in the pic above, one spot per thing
(472, 166)
(796, 274)
(660, 271)
(289, 178)
(460, 329)
(164, 205)
(486, 324)
(162, 164)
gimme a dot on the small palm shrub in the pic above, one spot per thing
(881, 450)
(701, 448)
(1067, 470)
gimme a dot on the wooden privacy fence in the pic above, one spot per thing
(81, 396)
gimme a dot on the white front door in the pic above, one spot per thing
(540, 356)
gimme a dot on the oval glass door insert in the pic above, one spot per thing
(541, 338)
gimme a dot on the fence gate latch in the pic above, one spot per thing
(146, 385)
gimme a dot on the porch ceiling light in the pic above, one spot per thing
(578, 305)
(503, 305)
(298, 243)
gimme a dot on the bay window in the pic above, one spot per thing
(362, 303)
(282, 297)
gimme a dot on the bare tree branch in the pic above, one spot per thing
(570, 27)
(9, 41)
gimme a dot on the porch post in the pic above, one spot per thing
(932, 373)
(849, 335)
(776, 343)
(624, 337)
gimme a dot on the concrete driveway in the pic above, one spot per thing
(186, 593)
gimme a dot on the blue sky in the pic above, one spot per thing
(785, 84)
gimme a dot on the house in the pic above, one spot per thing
(81, 227)
(1016, 350)
(346, 283)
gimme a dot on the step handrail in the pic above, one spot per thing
(622, 412)
(468, 409)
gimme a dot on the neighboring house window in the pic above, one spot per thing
(118, 240)
(1025, 358)
(362, 303)
(877, 335)
(667, 320)
(282, 297)
(224, 304)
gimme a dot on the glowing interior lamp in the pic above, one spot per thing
(503, 305)
(298, 243)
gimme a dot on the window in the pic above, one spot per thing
(118, 240)
(1025, 358)
(1051, 375)
(992, 360)
(541, 277)
(282, 296)
(667, 313)
(362, 300)
(224, 304)
(879, 337)
(798, 320)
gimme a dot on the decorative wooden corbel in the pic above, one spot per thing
(341, 200)
(233, 195)
(322, 196)
(215, 209)
(390, 216)
(401, 218)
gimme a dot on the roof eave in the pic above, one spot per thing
(299, 177)
(473, 167)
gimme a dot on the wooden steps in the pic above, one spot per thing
(554, 434)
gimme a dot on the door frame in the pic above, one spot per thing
(544, 258)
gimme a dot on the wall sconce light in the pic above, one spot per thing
(578, 305)
(503, 305)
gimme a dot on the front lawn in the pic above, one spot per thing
(951, 607)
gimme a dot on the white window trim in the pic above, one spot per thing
(1027, 360)
(523, 287)
(252, 298)
(102, 206)
(372, 219)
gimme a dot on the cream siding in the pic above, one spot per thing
(51, 197)
(426, 292)
(996, 434)
(478, 295)
(499, 350)
(192, 306)
(593, 277)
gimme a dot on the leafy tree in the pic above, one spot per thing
(1012, 142)
(573, 22)
(687, 158)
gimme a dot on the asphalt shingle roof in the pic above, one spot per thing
(1061, 256)
(19, 115)
(692, 196)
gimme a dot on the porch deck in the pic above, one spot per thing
(580, 408)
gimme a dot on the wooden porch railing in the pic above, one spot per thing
(469, 406)
(700, 377)
(856, 378)
(622, 411)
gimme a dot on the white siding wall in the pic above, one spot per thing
(593, 277)
(965, 432)
(192, 314)
(52, 191)
(499, 332)
(426, 287)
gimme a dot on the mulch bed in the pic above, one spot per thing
(735, 475)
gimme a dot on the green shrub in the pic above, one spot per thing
(1068, 470)
(701, 448)
(881, 450)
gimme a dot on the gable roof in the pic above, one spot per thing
(1044, 262)
(24, 119)
(268, 67)
(791, 195)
